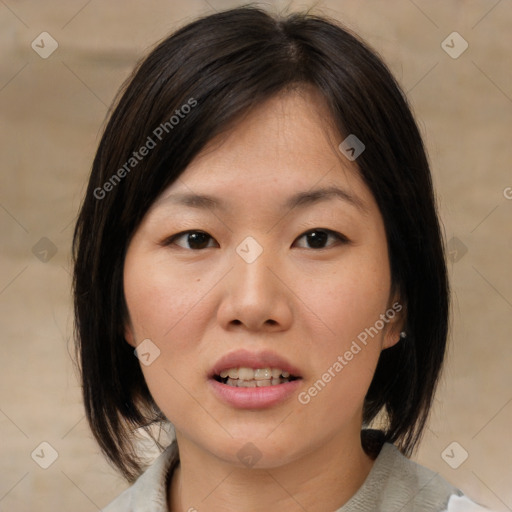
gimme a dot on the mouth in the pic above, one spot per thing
(245, 369)
(254, 380)
(246, 377)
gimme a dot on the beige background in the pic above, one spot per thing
(51, 114)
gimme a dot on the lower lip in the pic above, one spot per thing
(254, 398)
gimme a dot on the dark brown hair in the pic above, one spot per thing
(221, 66)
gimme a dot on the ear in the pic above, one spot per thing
(129, 335)
(396, 315)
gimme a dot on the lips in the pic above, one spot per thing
(264, 366)
(258, 388)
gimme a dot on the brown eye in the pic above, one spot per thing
(194, 240)
(319, 239)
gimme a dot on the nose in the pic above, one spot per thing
(256, 297)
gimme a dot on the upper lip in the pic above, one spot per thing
(254, 360)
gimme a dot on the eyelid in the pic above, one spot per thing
(171, 239)
(341, 238)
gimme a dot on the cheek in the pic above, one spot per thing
(346, 343)
(172, 310)
(160, 301)
(349, 299)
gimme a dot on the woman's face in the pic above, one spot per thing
(260, 282)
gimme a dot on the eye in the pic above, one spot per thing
(319, 238)
(194, 240)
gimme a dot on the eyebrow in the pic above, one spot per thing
(299, 200)
(310, 197)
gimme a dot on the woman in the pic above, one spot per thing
(260, 231)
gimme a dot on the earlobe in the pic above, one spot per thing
(392, 337)
(395, 331)
(129, 335)
(401, 338)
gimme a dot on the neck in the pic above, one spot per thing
(323, 479)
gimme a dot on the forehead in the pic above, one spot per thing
(285, 145)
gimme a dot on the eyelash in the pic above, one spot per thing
(340, 238)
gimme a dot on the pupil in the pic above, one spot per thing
(317, 239)
(198, 240)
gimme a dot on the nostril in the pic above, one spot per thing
(269, 323)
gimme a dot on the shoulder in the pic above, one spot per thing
(397, 483)
(149, 492)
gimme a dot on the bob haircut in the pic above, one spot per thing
(221, 66)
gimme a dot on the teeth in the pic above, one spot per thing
(252, 378)
(245, 374)
(237, 383)
(263, 373)
(259, 374)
